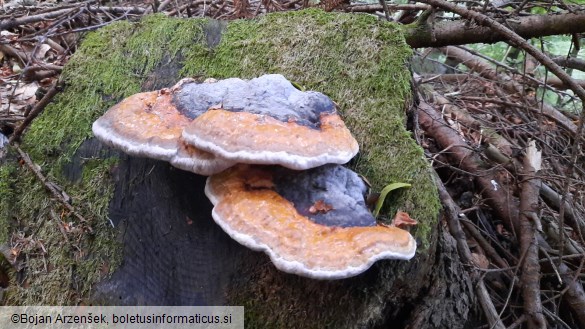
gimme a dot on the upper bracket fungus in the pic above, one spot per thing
(322, 231)
(207, 127)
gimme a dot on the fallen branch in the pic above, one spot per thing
(40, 72)
(515, 39)
(486, 246)
(371, 8)
(549, 111)
(461, 32)
(118, 10)
(463, 116)
(452, 212)
(529, 222)
(551, 197)
(14, 22)
(557, 83)
(482, 68)
(548, 194)
(14, 53)
(573, 293)
(529, 80)
(502, 202)
(570, 62)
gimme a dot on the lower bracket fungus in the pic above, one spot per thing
(313, 223)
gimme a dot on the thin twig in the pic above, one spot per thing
(50, 186)
(386, 11)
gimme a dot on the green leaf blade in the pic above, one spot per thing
(387, 189)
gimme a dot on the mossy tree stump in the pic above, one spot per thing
(165, 247)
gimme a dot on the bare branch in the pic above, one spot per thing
(529, 222)
(460, 32)
(371, 8)
(557, 83)
(452, 212)
(570, 62)
(515, 39)
(14, 22)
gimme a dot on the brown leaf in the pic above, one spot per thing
(104, 269)
(480, 260)
(320, 206)
(218, 106)
(402, 220)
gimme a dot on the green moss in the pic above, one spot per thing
(361, 64)
(61, 267)
(110, 65)
(7, 199)
(355, 59)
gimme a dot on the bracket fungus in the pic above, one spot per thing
(311, 217)
(207, 127)
(149, 125)
(313, 223)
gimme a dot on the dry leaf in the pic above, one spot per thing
(8, 34)
(534, 155)
(403, 220)
(480, 260)
(26, 93)
(320, 206)
(42, 51)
